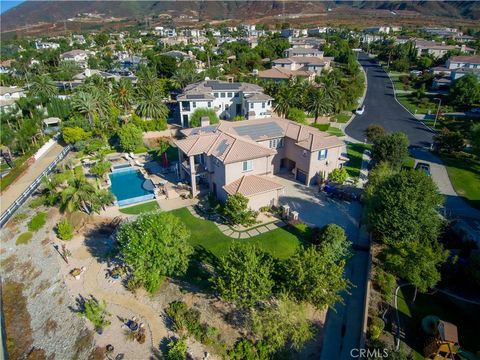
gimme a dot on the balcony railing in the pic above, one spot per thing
(199, 168)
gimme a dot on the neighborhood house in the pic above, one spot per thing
(243, 157)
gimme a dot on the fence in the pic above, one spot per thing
(32, 187)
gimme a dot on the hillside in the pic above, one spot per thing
(30, 13)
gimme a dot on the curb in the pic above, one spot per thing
(403, 106)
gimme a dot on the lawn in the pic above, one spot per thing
(208, 240)
(342, 117)
(24, 238)
(465, 177)
(141, 208)
(355, 152)
(418, 107)
(465, 316)
(335, 131)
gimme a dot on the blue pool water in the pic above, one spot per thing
(129, 186)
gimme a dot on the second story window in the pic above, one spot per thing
(222, 95)
(237, 94)
(275, 143)
(194, 104)
(247, 166)
(215, 94)
(263, 105)
(229, 95)
(322, 154)
(251, 105)
(209, 104)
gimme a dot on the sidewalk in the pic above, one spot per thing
(12, 193)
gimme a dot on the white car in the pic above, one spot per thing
(360, 110)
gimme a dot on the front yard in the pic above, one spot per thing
(355, 153)
(208, 240)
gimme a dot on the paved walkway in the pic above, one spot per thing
(235, 234)
(363, 178)
(12, 193)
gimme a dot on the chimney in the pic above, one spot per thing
(204, 121)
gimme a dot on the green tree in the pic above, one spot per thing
(417, 262)
(150, 104)
(334, 238)
(449, 141)
(284, 100)
(155, 245)
(237, 211)
(465, 92)
(376, 176)
(100, 168)
(392, 148)
(96, 312)
(314, 276)
(123, 94)
(43, 87)
(244, 275)
(319, 104)
(79, 194)
(283, 324)
(131, 137)
(65, 230)
(86, 103)
(101, 39)
(339, 175)
(165, 66)
(374, 132)
(73, 134)
(297, 115)
(195, 119)
(376, 327)
(475, 137)
(186, 74)
(404, 208)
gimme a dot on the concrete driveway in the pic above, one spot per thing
(316, 209)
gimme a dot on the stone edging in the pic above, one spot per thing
(234, 234)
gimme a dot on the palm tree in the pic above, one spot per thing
(319, 103)
(79, 194)
(43, 87)
(284, 100)
(150, 103)
(103, 198)
(123, 94)
(185, 75)
(85, 104)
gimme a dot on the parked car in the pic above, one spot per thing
(475, 110)
(423, 167)
(360, 110)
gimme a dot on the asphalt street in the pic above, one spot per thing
(381, 108)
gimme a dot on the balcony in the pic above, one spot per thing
(199, 168)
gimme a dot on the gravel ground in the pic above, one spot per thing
(53, 326)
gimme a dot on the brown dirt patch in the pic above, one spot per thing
(50, 326)
(17, 321)
(37, 354)
(83, 344)
(44, 285)
(8, 264)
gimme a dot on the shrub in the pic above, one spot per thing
(338, 175)
(37, 202)
(73, 134)
(24, 238)
(131, 137)
(237, 211)
(374, 132)
(449, 141)
(18, 218)
(65, 230)
(244, 349)
(37, 221)
(177, 349)
(376, 327)
(197, 115)
(386, 283)
(96, 312)
(297, 115)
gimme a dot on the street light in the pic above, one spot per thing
(438, 111)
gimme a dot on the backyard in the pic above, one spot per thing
(465, 316)
(208, 240)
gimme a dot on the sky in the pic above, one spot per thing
(8, 4)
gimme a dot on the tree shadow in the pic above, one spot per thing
(100, 241)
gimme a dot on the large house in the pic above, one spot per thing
(243, 157)
(79, 57)
(8, 96)
(454, 68)
(228, 99)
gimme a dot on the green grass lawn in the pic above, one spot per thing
(141, 208)
(343, 117)
(335, 131)
(210, 243)
(395, 76)
(24, 238)
(465, 316)
(418, 107)
(355, 152)
(465, 177)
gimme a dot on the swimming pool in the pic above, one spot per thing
(129, 186)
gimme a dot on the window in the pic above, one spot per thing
(275, 143)
(251, 105)
(322, 154)
(229, 95)
(194, 104)
(222, 95)
(263, 105)
(215, 94)
(247, 165)
(216, 162)
(209, 104)
(237, 94)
